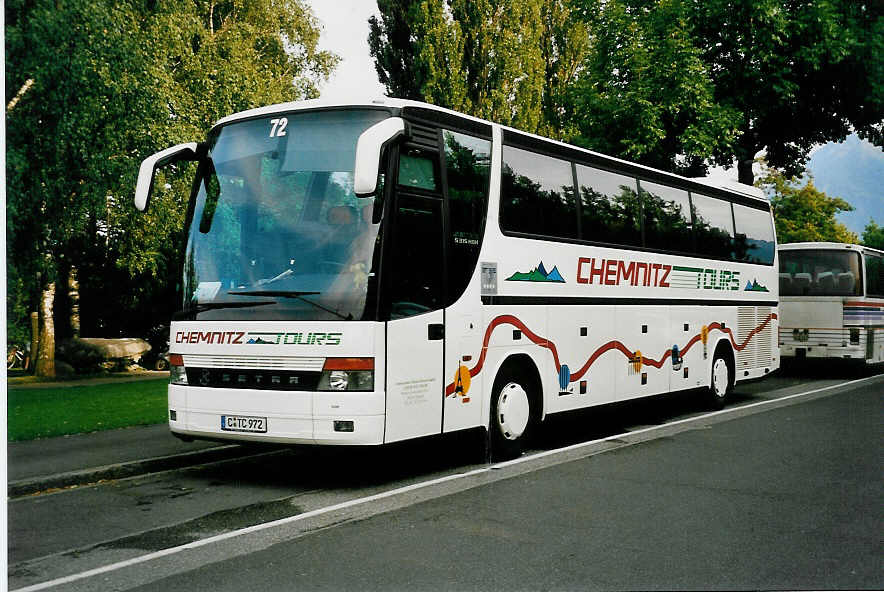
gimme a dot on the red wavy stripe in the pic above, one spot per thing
(616, 345)
(863, 303)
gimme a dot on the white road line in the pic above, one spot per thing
(405, 489)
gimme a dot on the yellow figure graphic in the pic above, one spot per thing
(636, 362)
(704, 337)
(462, 382)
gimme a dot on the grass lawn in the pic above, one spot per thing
(45, 412)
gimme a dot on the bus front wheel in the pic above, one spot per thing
(722, 380)
(511, 416)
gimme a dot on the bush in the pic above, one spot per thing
(84, 357)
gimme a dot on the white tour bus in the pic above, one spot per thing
(831, 301)
(370, 273)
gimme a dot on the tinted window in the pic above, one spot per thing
(537, 194)
(468, 170)
(713, 226)
(820, 272)
(874, 275)
(754, 241)
(417, 169)
(416, 262)
(609, 207)
(667, 213)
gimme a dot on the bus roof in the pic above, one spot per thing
(730, 186)
(825, 245)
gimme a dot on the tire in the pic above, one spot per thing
(161, 364)
(721, 381)
(512, 415)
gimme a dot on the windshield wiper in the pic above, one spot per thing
(215, 305)
(280, 293)
(293, 294)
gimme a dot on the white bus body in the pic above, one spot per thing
(474, 291)
(831, 301)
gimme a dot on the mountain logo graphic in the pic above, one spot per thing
(754, 286)
(538, 274)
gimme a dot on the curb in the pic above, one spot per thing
(153, 375)
(33, 485)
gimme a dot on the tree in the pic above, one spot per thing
(799, 73)
(802, 213)
(109, 84)
(873, 235)
(393, 44)
(644, 93)
(505, 60)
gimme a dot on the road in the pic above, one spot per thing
(780, 496)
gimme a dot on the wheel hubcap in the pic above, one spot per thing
(513, 411)
(719, 377)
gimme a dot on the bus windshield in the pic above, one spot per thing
(276, 230)
(820, 272)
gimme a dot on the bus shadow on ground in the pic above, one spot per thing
(829, 368)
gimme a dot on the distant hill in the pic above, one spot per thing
(854, 171)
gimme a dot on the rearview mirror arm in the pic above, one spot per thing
(369, 148)
(149, 166)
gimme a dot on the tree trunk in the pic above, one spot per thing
(46, 356)
(35, 340)
(74, 302)
(744, 171)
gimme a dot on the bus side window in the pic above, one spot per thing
(874, 275)
(537, 194)
(467, 174)
(754, 240)
(609, 207)
(667, 214)
(713, 226)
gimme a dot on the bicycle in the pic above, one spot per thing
(15, 358)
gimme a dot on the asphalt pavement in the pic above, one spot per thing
(788, 498)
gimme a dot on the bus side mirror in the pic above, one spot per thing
(369, 147)
(149, 166)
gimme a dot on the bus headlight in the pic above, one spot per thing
(177, 374)
(347, 374)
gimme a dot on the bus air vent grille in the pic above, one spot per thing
(301, 364)
(424, 136)
(745, 324)
(765, 337)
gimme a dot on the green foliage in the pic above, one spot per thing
(57, 411)
(675, 84)
(873, 235)
(645, 93)
(799, 73)
(111, 84)
(802, 213)
(393, 44)
(510, 61)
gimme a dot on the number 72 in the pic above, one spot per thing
(278, 127)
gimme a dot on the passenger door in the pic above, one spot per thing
(415, 296)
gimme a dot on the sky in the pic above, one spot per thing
(345, 32)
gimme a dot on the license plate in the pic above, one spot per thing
(240, 423)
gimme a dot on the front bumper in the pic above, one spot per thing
(293, 417)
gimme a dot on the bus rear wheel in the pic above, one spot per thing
(511, 416)
(721, 381)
